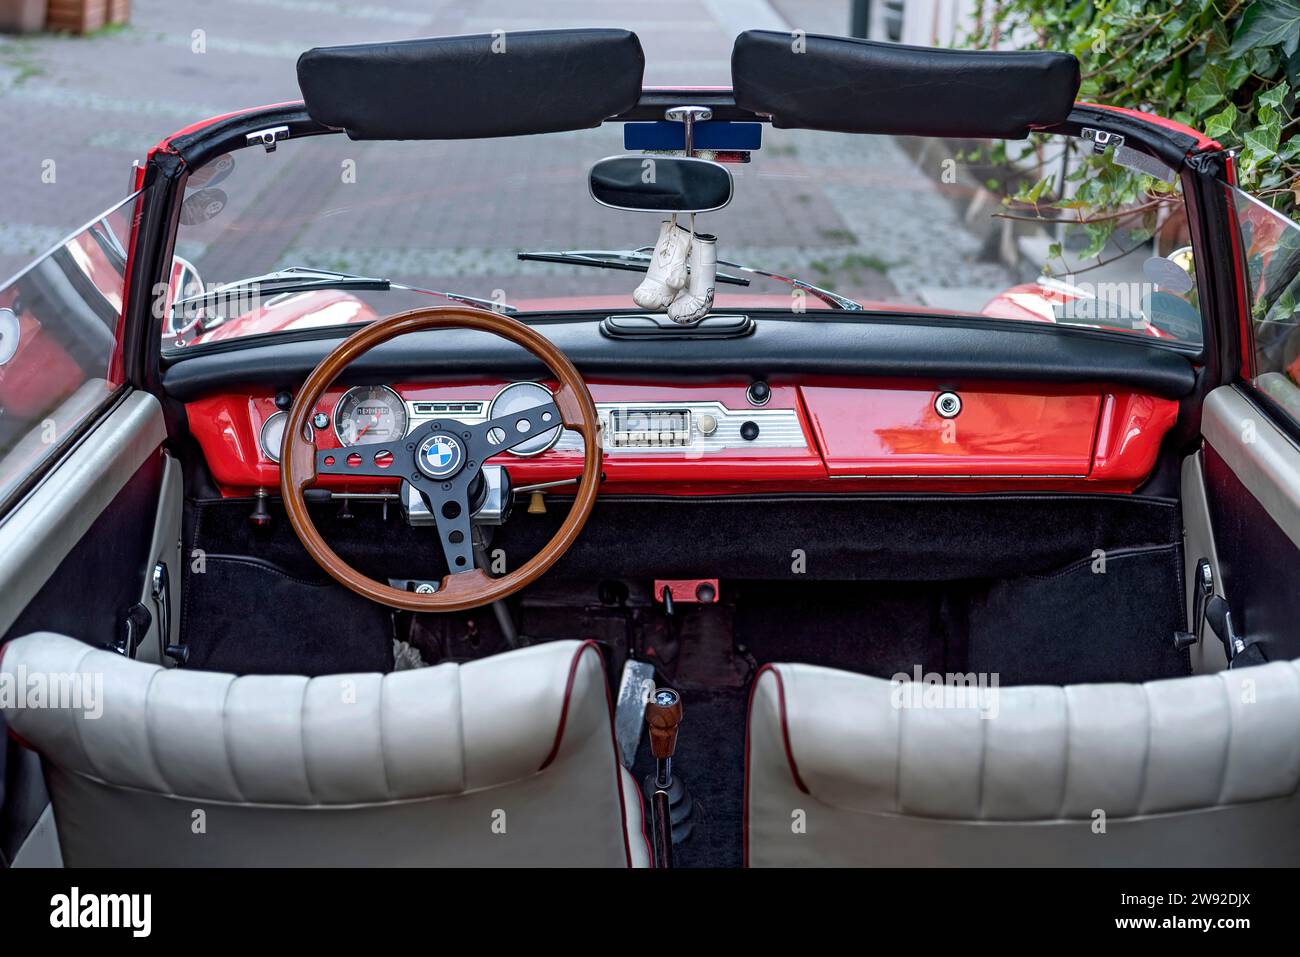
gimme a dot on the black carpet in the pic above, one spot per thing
(1084, 622)
(246, 616)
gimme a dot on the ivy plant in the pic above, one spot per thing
(1228, 67)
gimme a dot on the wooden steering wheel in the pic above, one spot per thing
(441, 459)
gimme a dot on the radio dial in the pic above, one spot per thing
(708, 424)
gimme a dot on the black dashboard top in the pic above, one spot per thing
(857, 345)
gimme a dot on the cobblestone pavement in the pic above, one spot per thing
(857, 213)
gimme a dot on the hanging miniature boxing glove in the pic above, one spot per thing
(694, 302)
(667, 272)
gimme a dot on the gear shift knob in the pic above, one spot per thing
(663, 713)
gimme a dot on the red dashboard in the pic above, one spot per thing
(824, 435)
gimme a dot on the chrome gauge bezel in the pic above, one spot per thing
(11, 332)
(549, 397)
(399, 405)
(271, 451)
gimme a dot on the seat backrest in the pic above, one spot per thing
(506, 760)
(844, 769)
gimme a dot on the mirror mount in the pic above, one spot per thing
(689, 116)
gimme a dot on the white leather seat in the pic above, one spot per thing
(510, 760)
(1183, 772)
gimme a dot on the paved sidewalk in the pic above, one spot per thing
(858, 214)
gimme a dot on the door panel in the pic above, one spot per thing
(81, 466)
(74, 557)
(38, 535)
(162, 597)
(1252, 474)
(1207, 655)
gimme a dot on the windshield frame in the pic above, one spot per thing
(180, 154)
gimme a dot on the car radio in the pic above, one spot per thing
(649, 428)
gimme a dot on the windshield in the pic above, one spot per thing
(937, 227)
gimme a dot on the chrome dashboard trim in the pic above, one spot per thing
(777, 428)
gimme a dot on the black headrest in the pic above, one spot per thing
(498, 84)
(857, 86)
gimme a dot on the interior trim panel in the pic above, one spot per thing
(1263, 458)
(831, 435)
(45, 528)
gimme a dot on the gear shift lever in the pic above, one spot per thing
(663, 713)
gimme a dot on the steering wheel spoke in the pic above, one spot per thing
(506, 431)
(451, 514)
(374, 459)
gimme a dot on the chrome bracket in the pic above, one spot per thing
(689, 116)
(269, 137)
(1101, 139)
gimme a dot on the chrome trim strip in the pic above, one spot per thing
(777, 428)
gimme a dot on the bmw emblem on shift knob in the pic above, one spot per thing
(440, 456)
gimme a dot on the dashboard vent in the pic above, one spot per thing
(447, 408)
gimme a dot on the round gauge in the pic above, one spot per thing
(517, 397)
(272, 437)
(370, 413)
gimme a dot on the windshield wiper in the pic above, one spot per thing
(638, 260)
(305, 279)
(832, 299)
(632, 260)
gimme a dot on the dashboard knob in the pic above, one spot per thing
(749, 431)
(708, 424)
(947, 404)
(758, 393)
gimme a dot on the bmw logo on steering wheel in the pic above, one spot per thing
(440, 456)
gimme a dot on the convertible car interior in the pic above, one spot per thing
(357, 548)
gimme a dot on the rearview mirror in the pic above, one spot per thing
(660, 184)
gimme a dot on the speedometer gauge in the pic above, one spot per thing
(370, 413)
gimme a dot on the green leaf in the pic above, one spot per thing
(1220, 124)
(1268, 23)
(1259, 143)
(1036, 193)
(1274, 95)
(1209, 92)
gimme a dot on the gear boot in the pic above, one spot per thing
(694, 302)
(667, 272)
